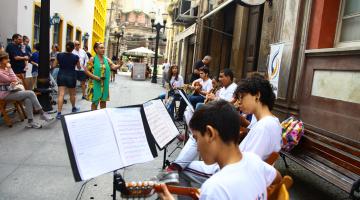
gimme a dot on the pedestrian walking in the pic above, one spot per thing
(80, 73)
(34, 60)
(165, 68)
(113, 72)
(67, 76)
(53, 54)
(86, 49)
(98, 69)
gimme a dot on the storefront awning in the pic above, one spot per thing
(246, 3)
(189, 31)
(217, 9)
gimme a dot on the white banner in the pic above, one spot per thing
(274, 65)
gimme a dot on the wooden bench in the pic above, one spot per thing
(5, 110)
(334, 161)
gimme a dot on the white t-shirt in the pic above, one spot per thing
(177, 83)
(263, 138)
(253, 122)
(206, 85)
(244, 180)
(166, 67)
(83, 58)
(227, 93)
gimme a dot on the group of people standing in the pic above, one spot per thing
(13, 66)
(75, 64)
(233, 149)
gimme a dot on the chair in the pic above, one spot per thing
(4, 111)
(272, 158)
(280, 191)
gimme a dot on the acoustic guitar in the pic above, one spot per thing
(144, 189)
(148, 188)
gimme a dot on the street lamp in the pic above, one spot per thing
(158, 26)
(85, 38)
(55, 19)
(118, 34)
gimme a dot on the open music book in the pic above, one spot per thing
(105, 140)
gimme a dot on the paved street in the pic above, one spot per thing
(34, 163)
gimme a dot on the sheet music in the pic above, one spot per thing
(93, 143)
(130, 135)
(183, 95)
(161, 125)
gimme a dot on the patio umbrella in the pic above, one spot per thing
(141, 51)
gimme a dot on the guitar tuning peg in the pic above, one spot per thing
(131, 184)
(139, 184)
(151, 183)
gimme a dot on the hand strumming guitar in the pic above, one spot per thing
(165, 194)
(210, 96)
(197, 87)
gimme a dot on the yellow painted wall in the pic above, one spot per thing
(98, 32)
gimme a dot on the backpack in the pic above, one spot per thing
(292, 131)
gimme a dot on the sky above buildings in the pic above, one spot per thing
(146, 6)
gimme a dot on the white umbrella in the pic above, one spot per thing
(141, 51)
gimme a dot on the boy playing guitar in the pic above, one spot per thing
(242, 175)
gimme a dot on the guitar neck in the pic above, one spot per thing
(185, 191)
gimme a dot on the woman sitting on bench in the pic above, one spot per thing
(8, 80)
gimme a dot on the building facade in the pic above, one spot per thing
(134, 17)
(319, 80)
(99, 22)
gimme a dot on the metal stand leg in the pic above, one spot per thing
(177, 147)
(114, 188)
(164, 161)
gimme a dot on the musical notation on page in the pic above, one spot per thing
(160, 122)
(93, 143)
(106, 140)
(130, 135)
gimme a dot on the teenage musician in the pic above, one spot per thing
(256, 97)
(241, 175)
(202, 87)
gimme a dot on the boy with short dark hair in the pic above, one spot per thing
(242, 176)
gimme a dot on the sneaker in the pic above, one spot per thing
(46, 117)
(75, 109)
(51, 112)
(58, 115)
(33, 125)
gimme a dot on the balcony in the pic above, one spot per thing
(184, 12)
